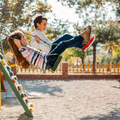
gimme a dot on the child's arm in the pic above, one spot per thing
(41, 45)
(37, 39)
(18, 43)
(24, 41)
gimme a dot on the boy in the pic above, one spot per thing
(45, 45)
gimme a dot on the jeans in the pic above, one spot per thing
(76, 41)
(62, 46)
(63, 38)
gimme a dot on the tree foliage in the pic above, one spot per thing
(68, 54)
(57, 28)
(80, 4)
(17, 14)
(93, 12)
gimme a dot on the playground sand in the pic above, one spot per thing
(97, 99)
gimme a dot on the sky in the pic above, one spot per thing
(64, 12)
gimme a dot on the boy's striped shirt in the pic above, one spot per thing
(34, 56)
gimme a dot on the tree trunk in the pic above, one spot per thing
(94, 57)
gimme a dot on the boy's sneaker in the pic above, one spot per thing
(86, 35)
(85, 48)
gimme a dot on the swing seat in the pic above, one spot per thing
(56, 63)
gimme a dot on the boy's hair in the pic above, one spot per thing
(38, 19)
(21, 61)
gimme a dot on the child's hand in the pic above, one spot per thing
(24, 41)
(18, 43)
(37, 39)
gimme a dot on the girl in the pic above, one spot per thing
(24, 54)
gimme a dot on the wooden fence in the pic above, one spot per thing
(71, 71)
(76, 68)
(99, 68)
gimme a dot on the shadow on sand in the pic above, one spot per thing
(24, 117)
(113, 115)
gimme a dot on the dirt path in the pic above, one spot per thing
(65, 100)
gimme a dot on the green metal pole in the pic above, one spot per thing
(16, 87)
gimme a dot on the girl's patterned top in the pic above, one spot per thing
(34, 56)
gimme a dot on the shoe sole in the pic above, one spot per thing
(90, 44)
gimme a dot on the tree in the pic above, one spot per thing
(21, 12)
(100, 25)
(57, 28)
(110, 46)
(79, 5)
(117, 58)
(67, 54)
(79, 53)
(104, 36)
(75, 52)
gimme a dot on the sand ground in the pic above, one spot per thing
(81, 99)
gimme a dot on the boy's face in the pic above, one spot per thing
(42, 26)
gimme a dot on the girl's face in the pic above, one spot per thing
(42, 26)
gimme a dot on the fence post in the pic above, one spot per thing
(103, 67)
(117, 67)
(84, 67)
(114, 65)
(99, 67)
(107, 67)
(69, 67)
(65, 70)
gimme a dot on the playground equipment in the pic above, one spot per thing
(2, 87)
(56, 63)
(16, 87)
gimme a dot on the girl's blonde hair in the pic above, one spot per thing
(21, 61)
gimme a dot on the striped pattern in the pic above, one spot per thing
(34, 56)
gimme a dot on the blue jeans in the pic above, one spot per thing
(63, 38)
(76, 41)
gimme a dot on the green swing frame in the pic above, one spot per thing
(56, 63)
